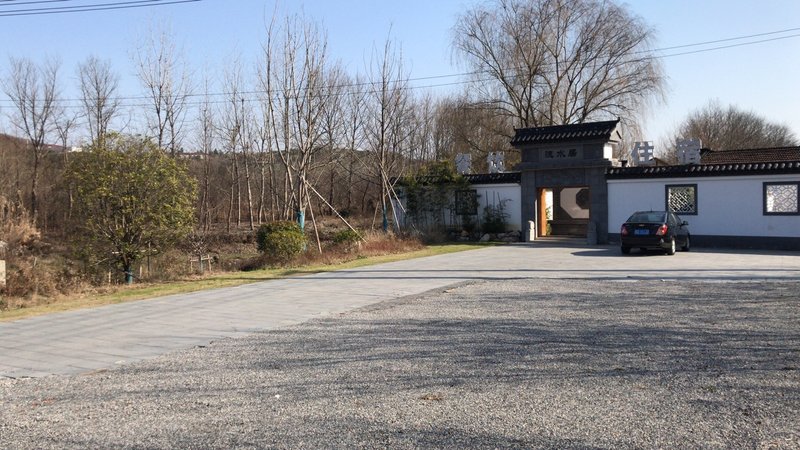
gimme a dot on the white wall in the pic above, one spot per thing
(493, 194)
(726, 206)
(489, 194)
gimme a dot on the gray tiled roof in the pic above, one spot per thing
(704, 170)
(494, 178)
(751, 155)
(476, 178)
(565, 133)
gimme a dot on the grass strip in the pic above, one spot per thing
(143, 291)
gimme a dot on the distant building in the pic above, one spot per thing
(569, 184)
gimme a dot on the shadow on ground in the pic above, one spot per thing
(534, 364)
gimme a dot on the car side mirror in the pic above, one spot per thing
(684, 223)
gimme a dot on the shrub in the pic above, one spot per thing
(280, 241)
(347, 236)
(347, 240)
(468, 223)
(494, 218)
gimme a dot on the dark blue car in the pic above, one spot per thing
(654, 230)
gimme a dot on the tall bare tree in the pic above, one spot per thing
(261, 140)
(549, 62)
(353, 133)
(729, 128)
(250, 138)
(232, 130)
(459, 126)
(99, 86)
(64, 126)
(34, 91)
(333, 118)
(388, 121)
(292, 79)
(166, 78)
(205, 144)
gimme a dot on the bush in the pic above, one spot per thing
(280, 241)
(347, 240)
(347, 236)
(494, 218)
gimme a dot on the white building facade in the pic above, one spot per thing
(726, 205)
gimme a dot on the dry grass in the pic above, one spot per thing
(374, 244)
(28, 274)
(16, 227)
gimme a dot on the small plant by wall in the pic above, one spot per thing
(494, 218)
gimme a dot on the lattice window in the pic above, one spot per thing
(466, 202)
(781, 198)
(682, 199)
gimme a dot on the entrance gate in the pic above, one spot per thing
(563, 177)
(563, 211)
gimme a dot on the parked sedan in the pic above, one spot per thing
(654, 230)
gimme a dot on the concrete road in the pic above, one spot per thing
(91, 339)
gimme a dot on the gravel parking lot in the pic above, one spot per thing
(536, 363)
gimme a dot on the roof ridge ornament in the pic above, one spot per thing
(688, 150)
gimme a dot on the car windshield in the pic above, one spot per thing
(647, 217)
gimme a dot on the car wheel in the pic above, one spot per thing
(625, 250)
(687, 246)
(671, 249)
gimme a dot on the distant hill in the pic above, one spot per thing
(8, 142)
(14, 143)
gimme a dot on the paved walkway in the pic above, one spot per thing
(98, 338)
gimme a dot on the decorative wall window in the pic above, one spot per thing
(467, 202)
(682, 198)
(781, 198)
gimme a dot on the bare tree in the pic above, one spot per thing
(250, 133)
(165, 77)
(460, 126)
(292, 78)
(99, 95)
(353, 132)
(549, 62)
(729, 128)
(423, 141)
(232, 130)
(33, 89)
(205, 144)
(388, 127)
(333, 117)
(64, 127)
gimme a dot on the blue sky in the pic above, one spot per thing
(760, 77)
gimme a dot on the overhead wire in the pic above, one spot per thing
(405, 83)
(31, 2)
(85, 8)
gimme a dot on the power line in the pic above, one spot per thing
(33, 2)
(88, 7)
(735, 38)
(404, 82)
